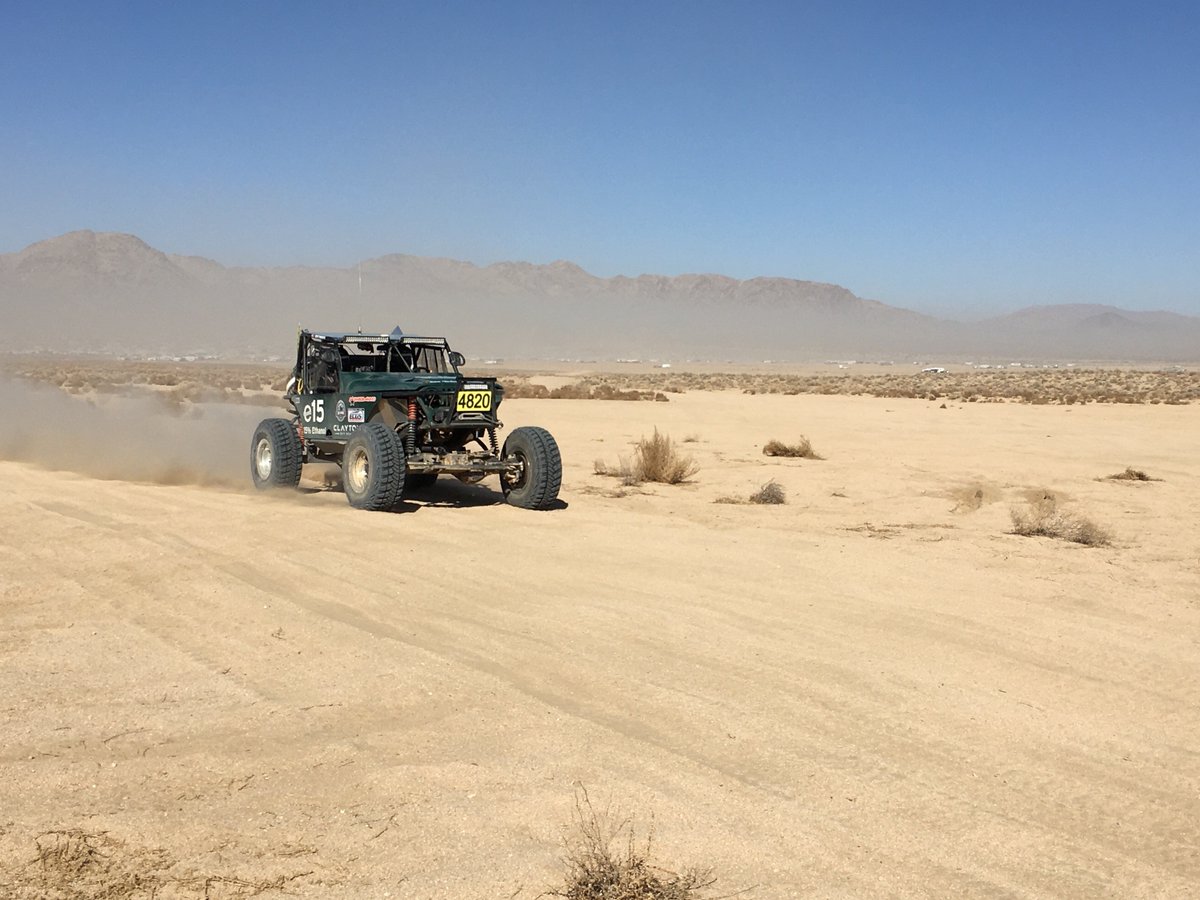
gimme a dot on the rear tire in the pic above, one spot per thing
(276, 455)
(373, 467)
(541, 475)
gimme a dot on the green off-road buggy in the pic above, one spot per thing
(394, 412)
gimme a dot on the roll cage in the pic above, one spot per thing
(321, 357)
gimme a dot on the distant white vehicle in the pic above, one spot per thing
(937, 370)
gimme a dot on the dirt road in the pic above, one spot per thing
(874, 690)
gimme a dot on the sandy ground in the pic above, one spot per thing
(872, 691)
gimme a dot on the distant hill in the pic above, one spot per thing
(88, 290)
(1094, 331)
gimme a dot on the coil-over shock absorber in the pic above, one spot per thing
(492, 440)
(410, 436)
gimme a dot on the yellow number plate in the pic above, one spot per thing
(474, 401)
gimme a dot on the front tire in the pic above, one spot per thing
(536, 487)
(373, 467)
(276, 455)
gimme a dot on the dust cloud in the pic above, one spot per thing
(123, 438)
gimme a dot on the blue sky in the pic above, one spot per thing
(950, 157)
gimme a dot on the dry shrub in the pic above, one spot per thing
(771, 494)
(1064, 385)
(1130, 474)
(1043, 518)
(972, 496)
(83, 864)
(803, 449)
(968, 499)
(622, 470)
(656, 459)
(605, 391)
(605, 861)
(574, 391)
(1057, 385)
(72, 864)
(520, 390)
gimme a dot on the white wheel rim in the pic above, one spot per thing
(263, 458)
(358, 470)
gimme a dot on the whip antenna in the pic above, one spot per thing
(360, 298)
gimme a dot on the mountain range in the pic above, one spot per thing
(109, 292)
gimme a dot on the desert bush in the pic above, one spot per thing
(1026, 385)
(573, 392)
(1130, 474)
(1043, 518)
(605, 391)
(521, 390)
(89, 865)
(771, 493)
(605, 861)
(968, 498)
(656, 459)
(803, 449)
(1066, 385)
(622, 470)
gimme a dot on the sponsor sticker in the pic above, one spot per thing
(357, 415)
(363, 399)
(340, 411)
(474, 386)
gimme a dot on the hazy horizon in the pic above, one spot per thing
(949, 314)
(113, 291)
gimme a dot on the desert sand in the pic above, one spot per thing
(875, 690)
